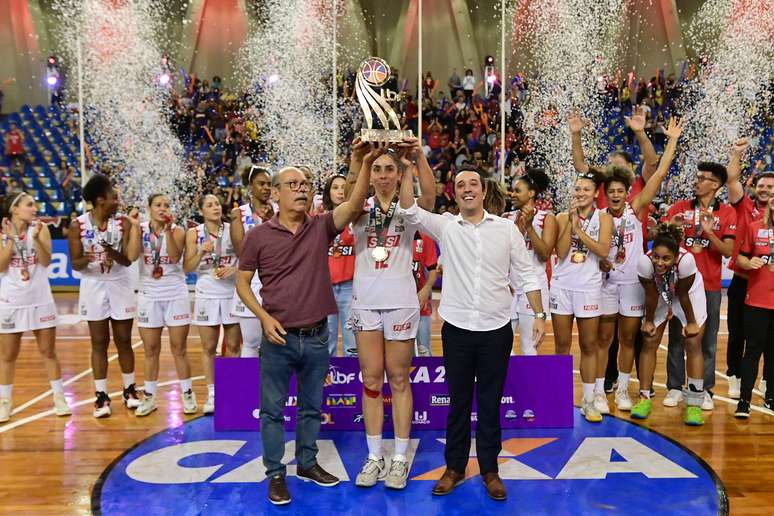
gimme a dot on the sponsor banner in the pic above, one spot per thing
(538, 393)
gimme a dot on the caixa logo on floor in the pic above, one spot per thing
(537, 394)
(615, 465)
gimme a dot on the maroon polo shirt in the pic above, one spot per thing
(293, 269)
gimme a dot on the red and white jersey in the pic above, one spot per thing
(580, 276)
(171, 284)
(15, 290)
(538, 223)
(249, 221)
(389, 284)
(207, 285)
(92, 238)
(625, 273)
(686, 265)
(759, 241)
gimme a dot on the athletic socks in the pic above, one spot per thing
(599, 385)
(101, 385)
(645, 394)
(623, 380)
(401, 447)
(374, 446)
(56, 386)
(211, 389)
(588, 391)
(128, 379)
(150, 387)
(185, 385)
(6, 391)
(694, 395)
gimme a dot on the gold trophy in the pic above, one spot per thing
(374, 73)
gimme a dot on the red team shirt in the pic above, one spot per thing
(425, 257)
(341, 257)
(709, 260)
(760, 286)
(747, 212)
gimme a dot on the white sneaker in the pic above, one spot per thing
(734, 387)
(5, 409)
(707, 404)
(673, 398)
(398, 475)
(622, 400)
(102, 405)
(600, 403)
(189, 402)
(372, 472)
(590, 412)
(147, 405)
(61, 408)
(209, 405)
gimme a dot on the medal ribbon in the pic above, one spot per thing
(218, 250)
(580, 247)
(381, 222)
(620, 254)
(666, 286)
(22, 250)
(155, 242)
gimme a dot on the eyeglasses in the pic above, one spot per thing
(700, 178)
(298, 185)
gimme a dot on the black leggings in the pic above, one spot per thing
(736, 329)
(760, 340)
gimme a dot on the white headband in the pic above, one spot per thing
(16, 199)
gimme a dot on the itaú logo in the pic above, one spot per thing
(593, 458)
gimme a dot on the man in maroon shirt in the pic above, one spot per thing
(290, 254)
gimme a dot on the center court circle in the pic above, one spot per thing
(613, 467)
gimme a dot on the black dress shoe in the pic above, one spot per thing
(278, 490)
(317, 475)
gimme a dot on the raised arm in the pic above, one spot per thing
(352, 208)
(649, 155)
(576, 124)
(734, 184)
(359, 150)
(653, 185)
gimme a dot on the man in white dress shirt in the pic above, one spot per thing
(481, 253)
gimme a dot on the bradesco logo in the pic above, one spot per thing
(590, 466)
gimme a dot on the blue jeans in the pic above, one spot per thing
(709, 346)
(423, 333)
(307, 356)
(343, 294)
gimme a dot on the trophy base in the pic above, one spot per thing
(389, 135)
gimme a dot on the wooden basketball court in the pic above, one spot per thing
(50, 464)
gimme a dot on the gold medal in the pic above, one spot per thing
(578, 257)
(158, 272)
(379, 254)
(25, 274)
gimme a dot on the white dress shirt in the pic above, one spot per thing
(479, 262)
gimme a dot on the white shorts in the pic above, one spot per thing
(521, 303)
(627, 300)
(100, 300)
(213, 312)
(27, 318)
(157, 314)
(698, 302)
(397, 324)
(574, 302)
